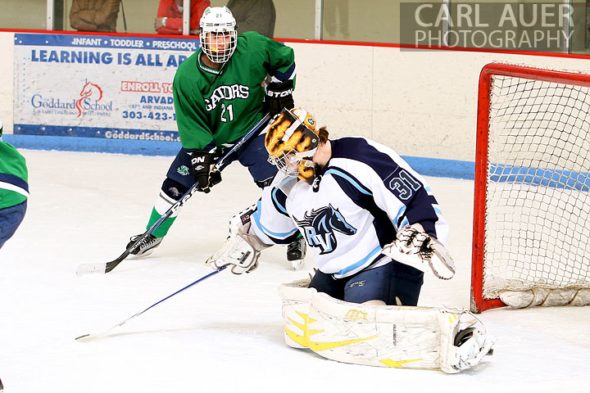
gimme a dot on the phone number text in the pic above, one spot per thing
(148, 115)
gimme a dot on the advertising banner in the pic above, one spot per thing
(97, 86)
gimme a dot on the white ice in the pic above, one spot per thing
(224, 334)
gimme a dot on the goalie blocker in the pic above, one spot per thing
(385, 336)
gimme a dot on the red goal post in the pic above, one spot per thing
(531, 224)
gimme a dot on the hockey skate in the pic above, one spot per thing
(296, 253)
(144, 247)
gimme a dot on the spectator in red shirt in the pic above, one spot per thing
(169, 19)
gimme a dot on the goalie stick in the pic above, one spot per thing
(109, 266)
(89, 336)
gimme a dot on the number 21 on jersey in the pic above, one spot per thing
(227, 113)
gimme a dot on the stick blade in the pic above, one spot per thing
(89, 337)
(91, 268)
(84, 338)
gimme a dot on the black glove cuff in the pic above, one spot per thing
(279, 89)
(201, 157)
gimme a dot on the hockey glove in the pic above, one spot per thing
(240, 251)
(412, 241)
(279, 95)
(203, 169)
(416, 248)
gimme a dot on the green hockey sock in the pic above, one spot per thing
(162, 230)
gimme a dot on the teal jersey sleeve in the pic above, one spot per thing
(219, 106)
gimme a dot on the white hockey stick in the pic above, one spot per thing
(93, 336)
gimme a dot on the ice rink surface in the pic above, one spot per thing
(224, 334)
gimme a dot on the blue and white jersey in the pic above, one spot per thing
(355, 206)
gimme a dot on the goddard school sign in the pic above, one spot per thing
(518, 26)
(97, 86)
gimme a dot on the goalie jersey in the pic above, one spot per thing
(354, 207)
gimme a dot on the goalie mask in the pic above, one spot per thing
(219, 36)
(291, 141)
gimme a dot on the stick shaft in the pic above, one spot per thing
(109, 266)
(87, 337)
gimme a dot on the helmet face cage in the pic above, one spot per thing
(291, 143)
(287, 163)
(219, 36)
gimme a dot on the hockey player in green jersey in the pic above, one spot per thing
(14, 189)
(220, 93)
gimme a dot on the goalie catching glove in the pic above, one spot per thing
(416, 248)
(203, 169)
(240, 252)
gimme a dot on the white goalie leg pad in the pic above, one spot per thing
(384, 336)
(464, 341)
(296, 297)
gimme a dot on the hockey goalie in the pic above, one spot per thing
(374, 228)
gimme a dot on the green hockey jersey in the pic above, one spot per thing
(220, 106)
(14, 188)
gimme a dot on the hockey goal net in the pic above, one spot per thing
(531, 234)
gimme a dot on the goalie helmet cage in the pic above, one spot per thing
(532, 180)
